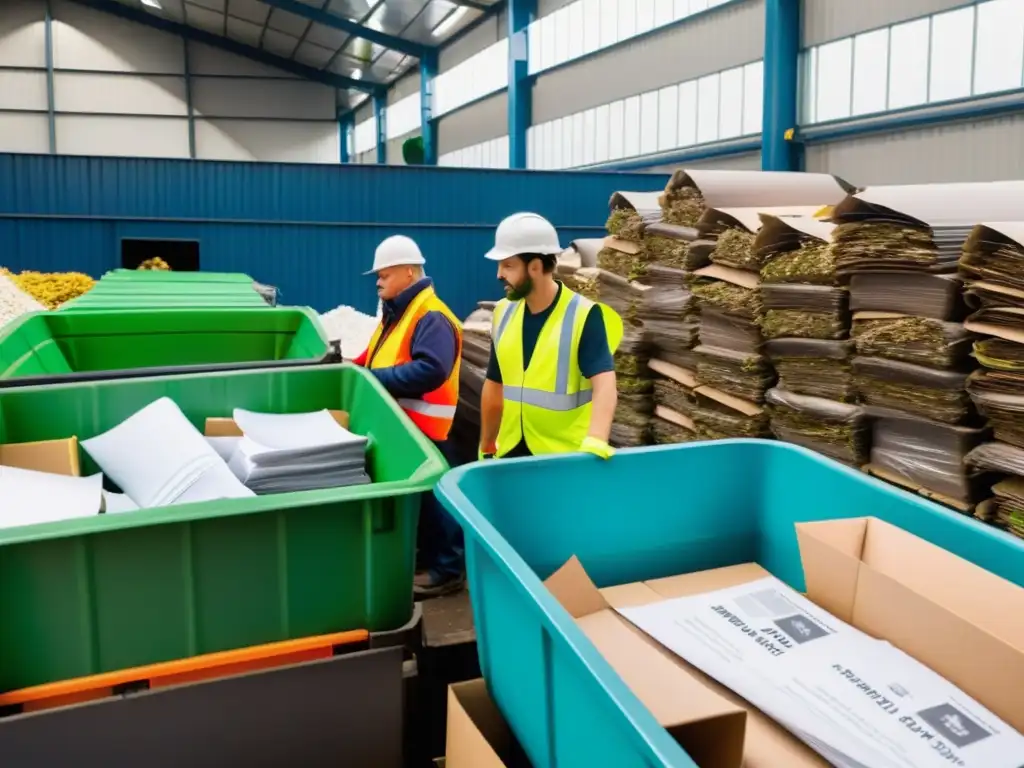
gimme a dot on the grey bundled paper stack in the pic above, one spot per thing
(900, 246)
(992, 266)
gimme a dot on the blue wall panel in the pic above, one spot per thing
(310, 230)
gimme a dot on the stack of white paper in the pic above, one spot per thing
(28, 497)
(158, 458)
(296, 452)
(855, 700)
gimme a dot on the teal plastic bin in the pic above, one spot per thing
(110, 592)
(645, 514)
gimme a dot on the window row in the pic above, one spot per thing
(970, 51)
(586, 26)
(404, 116)
(365, 136)
(476, 77)
(486, 154)
(717, 107)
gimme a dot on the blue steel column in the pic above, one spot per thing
(428, 71)
(520, 100)
(50, 109)
(380, 118)
(345, 127)
(781, 65)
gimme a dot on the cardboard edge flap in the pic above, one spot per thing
(678, 374)
(573, 589)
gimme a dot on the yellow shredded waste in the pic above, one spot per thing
(51, 289)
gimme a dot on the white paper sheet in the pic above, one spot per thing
(116, 503)
(288, 431)
(224, 446)
(28, 497)
(855, 700)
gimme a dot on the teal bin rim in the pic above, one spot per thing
(646, 731)
(422, 480)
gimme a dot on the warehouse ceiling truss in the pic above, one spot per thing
(356, 46)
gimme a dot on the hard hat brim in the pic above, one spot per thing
(500, 254)
(409, 263)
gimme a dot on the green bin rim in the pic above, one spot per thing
(423, 480)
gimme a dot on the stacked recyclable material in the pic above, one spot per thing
(993, 268)
(806, 325)
(899, 247)
(674, 401)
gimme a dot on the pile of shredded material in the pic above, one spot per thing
(350, 327)
(683, 206)
(51, 289)
(13, 301)
(735, 248)
(813, 263)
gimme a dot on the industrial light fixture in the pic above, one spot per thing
(357, 74)
(446, 24)
(152, 4)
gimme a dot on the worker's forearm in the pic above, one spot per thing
(603, 412)
(491, 405)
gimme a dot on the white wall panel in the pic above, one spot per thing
(405, 86)
(88, 39)
(984, 150)
(23, 90)
(479, 122)
(22, 34)
(220, 97)
(122, 136)
(119, 94)
(24, 133)
(750, 161)
(825, 20)
(203, 60)
(487, 34)
(727, 37)
(271, 142)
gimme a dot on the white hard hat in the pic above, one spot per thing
(524, 233)
(396, 251)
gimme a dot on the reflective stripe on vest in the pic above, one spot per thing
(559, 400)
(428, 409)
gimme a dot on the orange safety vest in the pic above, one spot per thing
(433, 412)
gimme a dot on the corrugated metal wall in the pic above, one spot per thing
(985, 150)
(310, 230)
(825, 20)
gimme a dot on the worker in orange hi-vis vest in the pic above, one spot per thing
(415, 353)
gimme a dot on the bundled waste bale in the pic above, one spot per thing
(918, 340)
(1004, 464)
(626, 297)
(995, 253)
(914, 294)
(804, 311)
(51, 289)
(735, 249)
(999, 397)
(735, 373)
(873, 245)
(837, 430)
(718, 329)
(635, 384)
(926, 456)
(681, 204)
(669, 314)
(811, 262)
(670, 427)
(581, 254)
(678, 247)
(730, 291)
(814, 367)
(913, 389)
(720, 416)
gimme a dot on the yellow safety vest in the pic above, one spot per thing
(549, 403)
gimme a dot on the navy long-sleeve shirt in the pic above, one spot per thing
(434, 349)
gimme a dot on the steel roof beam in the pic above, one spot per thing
(230, 46)
(354, 28)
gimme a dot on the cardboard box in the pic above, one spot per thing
(223, 426)
(715, 726)
(59, 457)
(960, 620)
(477, 735)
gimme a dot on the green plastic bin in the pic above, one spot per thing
(111, 592)
(185, 299)
(48, 347)
(161, 276)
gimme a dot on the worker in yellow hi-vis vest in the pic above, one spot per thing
(550, 384)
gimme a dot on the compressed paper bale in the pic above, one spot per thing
(682, 206)
(666, 433)
(626, 224)
(916, 340)
(743, 376)
(834, 429)
(817, 377)
(794, 323)
(735, 248)
(813, 263)
(944, 405)
(715, 421)
(866, 245)
(674, 395)
(727, 297)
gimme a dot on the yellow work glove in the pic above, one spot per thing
(599, 448)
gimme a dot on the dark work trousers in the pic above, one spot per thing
(441, 548)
